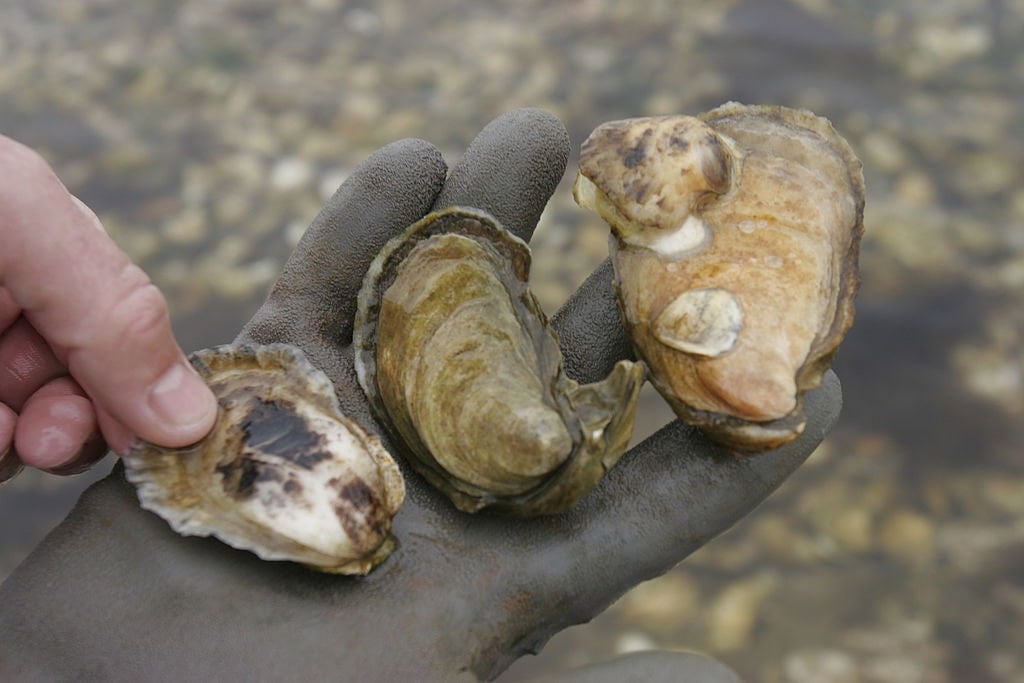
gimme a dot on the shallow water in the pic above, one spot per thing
(207, 135)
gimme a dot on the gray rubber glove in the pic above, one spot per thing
(114, 594)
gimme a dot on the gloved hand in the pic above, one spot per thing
(114, 594)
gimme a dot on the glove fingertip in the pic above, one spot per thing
(589, 328)
(511, 169)
(411, 167)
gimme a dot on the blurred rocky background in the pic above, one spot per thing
(207, 134)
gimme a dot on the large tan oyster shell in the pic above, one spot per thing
(455, 354)
(283, 473)
(735, 244)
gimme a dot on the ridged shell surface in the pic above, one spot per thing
(456, 356)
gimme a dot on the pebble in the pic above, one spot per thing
(634, 641)
(231, 208)
(779, 539)
(908, 537)
(664, 604)
(973, 547)
(294, 232)
(820, 666)
(188, 227)
(290, 174)
(954, 41)
(853, 529)
(916, 188)
(894, 669)
(732, 614)
(883, 150)
(330, 181)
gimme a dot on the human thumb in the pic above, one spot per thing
(99, 312)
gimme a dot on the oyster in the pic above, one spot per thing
(454, 353)
(283, 473)
(735, 238)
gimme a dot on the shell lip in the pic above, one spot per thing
(743, 436)
(600, 439)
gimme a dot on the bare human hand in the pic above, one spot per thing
(87, 356)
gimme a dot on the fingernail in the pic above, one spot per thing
(83, 456)
(181, 399)
(73, 466)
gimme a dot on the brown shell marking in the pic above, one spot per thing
(283, 473)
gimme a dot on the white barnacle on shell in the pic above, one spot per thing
(704, 322)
